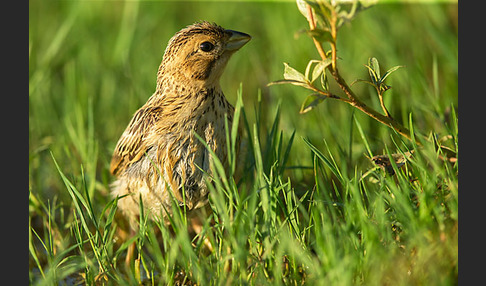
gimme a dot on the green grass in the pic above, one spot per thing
(310, 208)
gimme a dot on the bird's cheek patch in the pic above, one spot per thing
(202, 69)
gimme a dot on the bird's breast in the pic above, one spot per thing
(184, 156)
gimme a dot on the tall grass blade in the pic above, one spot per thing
(325, 160)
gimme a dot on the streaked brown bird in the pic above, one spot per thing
(158, 153)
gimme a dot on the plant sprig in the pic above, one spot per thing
(325, 17)
(378, 81)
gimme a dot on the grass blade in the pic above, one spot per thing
(325, 160)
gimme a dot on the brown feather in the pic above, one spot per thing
(133, 143)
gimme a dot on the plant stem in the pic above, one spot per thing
(352, 98)
(382, 103)
(334, 39)
(355, 102)
(312, 25)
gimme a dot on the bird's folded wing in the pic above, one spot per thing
(134, 141)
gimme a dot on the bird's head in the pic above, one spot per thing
(199, 52)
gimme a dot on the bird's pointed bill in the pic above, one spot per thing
(237, 40)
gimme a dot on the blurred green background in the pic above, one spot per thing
(92, 64)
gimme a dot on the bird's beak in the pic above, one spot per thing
(237, 40)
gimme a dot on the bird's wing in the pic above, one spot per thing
(135, 140)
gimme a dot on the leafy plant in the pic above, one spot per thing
(378, 81)
(325, 18)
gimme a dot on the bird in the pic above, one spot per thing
(158, 157)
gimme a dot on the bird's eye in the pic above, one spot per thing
(206, 46)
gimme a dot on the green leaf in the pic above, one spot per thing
(311, 101)
(302, 5)
(388, 72)
(286, 81)
(323, 35)
(384, 87)
(357, 6)
(324, 82)
(308, 68)
(319, 68)
(292, 74)
(374, 79)
(373, 63)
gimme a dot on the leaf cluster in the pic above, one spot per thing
(306, 80)
(323, 13)
(325, 17)
(376, 80)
